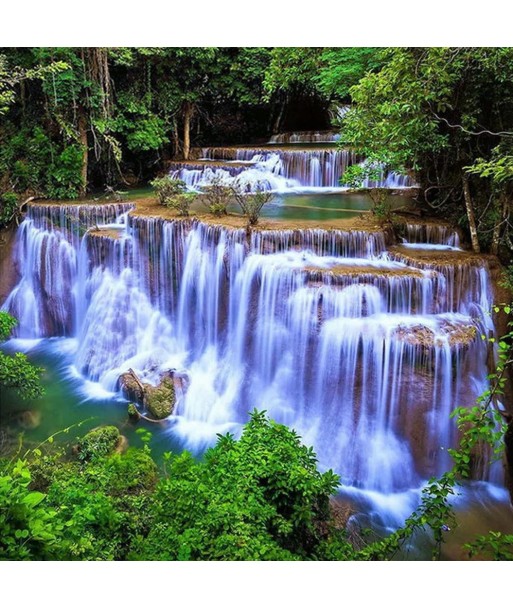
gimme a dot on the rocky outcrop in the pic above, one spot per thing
(159, 400)
(100, 442)
(9, 271)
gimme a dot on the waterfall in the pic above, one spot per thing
(305, 137)
(281, 170)
(364, 350)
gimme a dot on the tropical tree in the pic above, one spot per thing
(433, 111)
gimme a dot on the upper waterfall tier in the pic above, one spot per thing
(278, 169)
(305, 137)
(365, 349)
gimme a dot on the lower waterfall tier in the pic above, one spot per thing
(364, 348)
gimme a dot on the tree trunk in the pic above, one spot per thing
(470, 215)
(502, 215)
(188, 111)
(82, 131)
(279, 118)
(176, 139)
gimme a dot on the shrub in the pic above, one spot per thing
(167, 188)
(27, 523)
(7, 325)
(173, 194)
(8, 207)
(16, 372)
(258, 498)
(216, 196)
(252, 202)
(98, 442)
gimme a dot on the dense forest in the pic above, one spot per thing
(75, 120)
(77, 124)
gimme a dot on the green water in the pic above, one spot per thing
(318, 207)
(315, 206)
(67, 402)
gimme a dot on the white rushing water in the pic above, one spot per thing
(279, 170)
(363, 352)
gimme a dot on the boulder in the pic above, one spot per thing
(159, 399)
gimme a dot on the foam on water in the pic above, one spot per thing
(365, 364)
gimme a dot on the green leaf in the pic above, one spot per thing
(33, 499)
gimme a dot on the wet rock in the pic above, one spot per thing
(133, 413)
(159, 400)
(131, 387)
(28, 419)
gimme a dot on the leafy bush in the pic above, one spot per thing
(7, 325)
(65, 174)
(258, 498)
(8, 206)
(29, 528)
(98, 443)
(251, 203)
(173, 194)
(216, 196)
(167, 188)
(16, 372)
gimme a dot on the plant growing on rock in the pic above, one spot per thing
(98, 442)
(252, 202)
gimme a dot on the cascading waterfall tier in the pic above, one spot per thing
(305, 137)
(279, 169)
(48, 243)
(364, 349)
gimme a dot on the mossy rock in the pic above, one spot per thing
(133, 413)
(160, 400)
(133, 472)
(99, 442)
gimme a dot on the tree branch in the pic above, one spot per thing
(476, 133)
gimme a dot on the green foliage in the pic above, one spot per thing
(7, 325)
(442, 112)
(173, 194)
(142, 129)
(98, 443)
(292, 68)
(8, 207)
(258, 498)
(495, 545)
(499, 168)
(216, 196)
(251, 203)
(29, 529)
(328, 72)
(64, 176)
(167, 188)
(15, 371)
(33, 162)
(343, 67)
